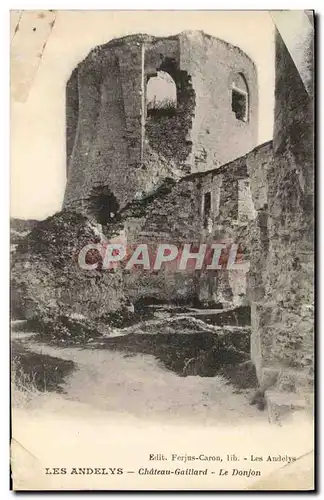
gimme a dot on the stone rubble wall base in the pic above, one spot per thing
(280, 405)
(286, 391)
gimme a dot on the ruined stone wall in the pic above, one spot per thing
(203, 132)
(174, 214)
(168, 216)
(114, 143)
(233, 219)
(217, 135)
(167, 130)
(283, 296)
(104, 138)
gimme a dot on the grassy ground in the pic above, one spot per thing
(33, 373)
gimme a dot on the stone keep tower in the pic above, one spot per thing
(140, 109)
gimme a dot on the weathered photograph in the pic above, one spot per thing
(162, 250)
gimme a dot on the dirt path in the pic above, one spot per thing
(140, 386)
(118, 409)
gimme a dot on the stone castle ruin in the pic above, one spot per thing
(153, 130)
(142, 109)
(168, 127)
(161, 147)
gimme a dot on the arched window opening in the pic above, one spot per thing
(240, 98)
(161, 94)
(103, 205)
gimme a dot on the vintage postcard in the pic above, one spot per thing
(162, 250)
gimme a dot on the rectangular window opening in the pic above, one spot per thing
(206, 208)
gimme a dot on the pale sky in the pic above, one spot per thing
(38, 170)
